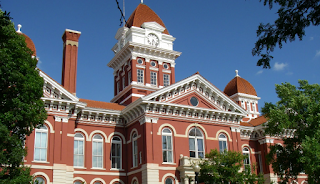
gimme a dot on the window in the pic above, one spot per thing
(260, 163)
(248, 106)
(223, 146)
(167, 145)
(253, 107)
(97, 182)
(246, 161)
(77, 182)
(196, 147)
(165, 66)
(153, 64)
(78, 151)
(140, 61)
(123, 82)
(129, 78)
(40, 180)
(169, 181)
(135, 182)
(153, 78)
(118, 86)
(140, 76)
(166, 79)
(194, 101)
(116, 153)
(134, 150)
(97, 155)
(40, 144)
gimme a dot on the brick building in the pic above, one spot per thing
(153, 127)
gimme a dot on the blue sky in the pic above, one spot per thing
(215, 38)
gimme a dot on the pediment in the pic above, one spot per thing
(209, 96)
(52, 89)
(153, 26)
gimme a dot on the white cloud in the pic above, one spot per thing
(259, 72)
(279, 66)
(317, 53)
(311, 38)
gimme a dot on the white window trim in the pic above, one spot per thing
(196, 143)
(246, 152)
(223, 139)
(153, 79)
(97, 140)
(117, 142)
(35, 137)
(139, 82)
(79, 139)
(167, 134)
(135, 161)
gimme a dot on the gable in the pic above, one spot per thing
(210, 96)
(185, 99)
(52, 89)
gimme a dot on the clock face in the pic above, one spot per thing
(153, 39)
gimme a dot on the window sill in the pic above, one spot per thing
(168, 163)
(95, 168)
(77, 167)
(43, 162)
(134, 167)
(114, 169)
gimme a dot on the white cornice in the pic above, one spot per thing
(243, 95)
(153, 26)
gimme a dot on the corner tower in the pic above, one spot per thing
(144, 58)
(241, 91)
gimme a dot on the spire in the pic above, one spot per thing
(19, 28)
(237, 75)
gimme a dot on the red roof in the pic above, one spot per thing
(144, 14)
(239, 85)
(30, 44)
(102, 105)
(255, 122)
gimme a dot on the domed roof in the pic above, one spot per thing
(239, 85)
(28, 40)
(144, 14)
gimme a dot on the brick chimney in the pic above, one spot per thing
(70, 55)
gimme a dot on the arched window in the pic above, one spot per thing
(97, 153)
(41, 143)
(196, 147)
(223, 146)
(134, 150)
(246, 161)
(135, 182)
(78, 151)
(169, 181)
(77, 182)
(167, 145)
(116, 153)
(40, 180)
(97, 182)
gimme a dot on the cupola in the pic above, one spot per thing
(28, 41)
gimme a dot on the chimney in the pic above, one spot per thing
(69, 64)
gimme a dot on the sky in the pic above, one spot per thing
(215, 37)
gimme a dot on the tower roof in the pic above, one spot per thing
(144, 14)
(239, 85)
(28, 40)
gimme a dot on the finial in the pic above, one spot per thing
(237, 75)
(141, 1)
(19, 28)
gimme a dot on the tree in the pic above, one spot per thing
(294, 17)
(21, 108)
(296, 119)
(226, 168)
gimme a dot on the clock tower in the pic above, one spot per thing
(144, 58)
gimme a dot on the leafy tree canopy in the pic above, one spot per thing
(296, 119)
(21, 108)
(294, 17)
(226, 168)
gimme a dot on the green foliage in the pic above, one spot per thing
(294, 17)
(21, 108)
(226, 168)
(297, 116)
